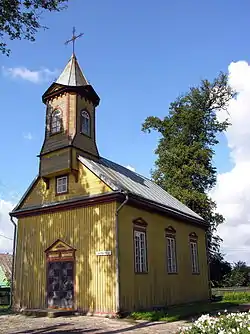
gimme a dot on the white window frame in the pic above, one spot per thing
(56, 122)
(85, 117)
(62, 184)
(171, 255)
(194, 256)
(140, 251)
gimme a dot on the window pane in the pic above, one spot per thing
(56, 121)
(140, 251)
(171, 255)
(194, 257)
(85, 123)
(61, 184)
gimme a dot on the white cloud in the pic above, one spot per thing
(131, 168)
(42, 75)
(28, 136)
(6, 227)
(232, 192)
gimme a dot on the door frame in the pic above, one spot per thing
(60, 251)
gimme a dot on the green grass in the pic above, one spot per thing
(182, 312)
(241, 297)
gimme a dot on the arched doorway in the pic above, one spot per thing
(60, 261)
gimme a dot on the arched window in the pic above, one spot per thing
(85, 123)
(170, 234)
(56, 122)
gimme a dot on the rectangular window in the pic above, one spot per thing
(140, 249)
(171, 255)
(194, 257)
(61, 184)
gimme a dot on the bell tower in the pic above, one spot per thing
(70, 122)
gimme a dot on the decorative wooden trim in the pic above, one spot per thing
(69, 205)
(193, 237)
(170, 231)
(60, 255)
(87, 92)
(58, 177)
(140, 222)
(140, 229)
(59, 241)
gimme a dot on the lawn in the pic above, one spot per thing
(186, 311)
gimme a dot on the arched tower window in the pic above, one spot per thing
(85, 123)
(56, 122)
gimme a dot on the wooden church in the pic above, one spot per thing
(94, 236)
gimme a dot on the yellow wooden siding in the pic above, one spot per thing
(87, 143)
(88, 184)
(72, 115)
(157, 287)
(88, 229)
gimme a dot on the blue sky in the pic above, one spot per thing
(138, 55)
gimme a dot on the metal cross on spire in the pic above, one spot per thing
(74, 37)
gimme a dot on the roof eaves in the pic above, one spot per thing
(25, 194)
(77, 200)
(169, 210)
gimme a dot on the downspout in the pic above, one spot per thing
(13, 262)
(117, 265)
(208, 268)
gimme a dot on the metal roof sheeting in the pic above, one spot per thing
(72, 74)
(123, 179)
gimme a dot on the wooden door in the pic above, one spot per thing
(60, 284)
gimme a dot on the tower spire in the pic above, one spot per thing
(73, 39)
(72, 74)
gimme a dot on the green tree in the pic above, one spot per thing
(219, 269)
(184, 166)
(21, 19)
(239, 275)
(8, 281)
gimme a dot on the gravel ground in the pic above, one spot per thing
(19, 324)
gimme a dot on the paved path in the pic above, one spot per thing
(19, 324)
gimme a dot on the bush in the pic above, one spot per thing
(224, 324)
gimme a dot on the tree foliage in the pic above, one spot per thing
(219, 269)
(239, 276)
(21, 19)
(189, 132)
(8, 281)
